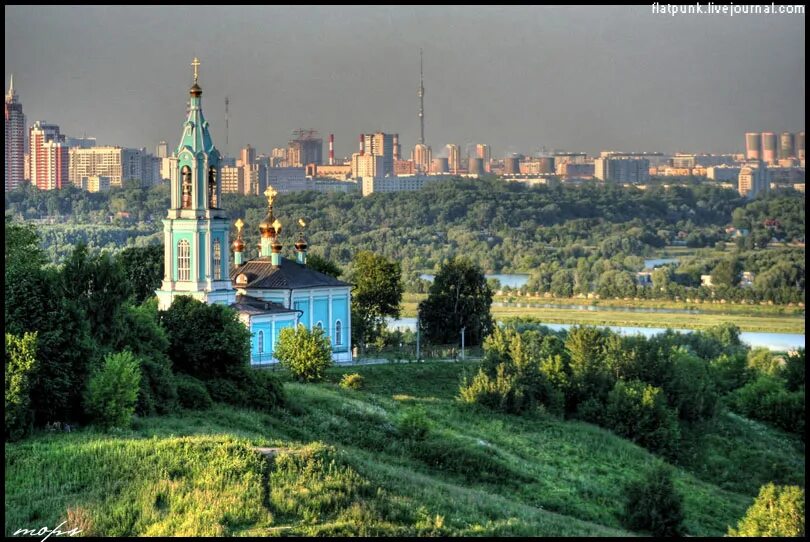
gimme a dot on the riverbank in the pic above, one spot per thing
(762, 318)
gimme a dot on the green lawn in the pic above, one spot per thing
(344, 468)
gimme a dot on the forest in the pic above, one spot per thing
(571, 239)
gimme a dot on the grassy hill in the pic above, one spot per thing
(339, 464)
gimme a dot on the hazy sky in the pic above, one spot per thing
(515, 77)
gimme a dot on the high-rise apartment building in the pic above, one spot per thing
(753, 146)
(15, 139)
(484, 152)
(305, 148)
(117, 163)
(800, 146)
(769, 152)
(787, 145)
(453, 158)
(49, 156)
(381, 144)
(753, 180)
(620, 169)
(233, 180)
(162, 150)
(422, 155)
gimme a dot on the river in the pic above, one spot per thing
(772, 341)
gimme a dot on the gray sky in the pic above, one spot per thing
(515, 77)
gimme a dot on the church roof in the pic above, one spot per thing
(252, 305)
(290, 275)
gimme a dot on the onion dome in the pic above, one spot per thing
(238, 245)
(301, 244)
(195, 90)
(276, 246)
(266, 227)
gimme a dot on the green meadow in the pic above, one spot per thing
(338, 462)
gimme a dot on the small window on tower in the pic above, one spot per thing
(217, 260)
(183, 260)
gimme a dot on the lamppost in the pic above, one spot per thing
(462, 342)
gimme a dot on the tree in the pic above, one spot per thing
(638, 411)
(204, 340)
(143, 267)
(377, 294)
(777, 511)
(322, 265)
(20, 371)
(458, 298)
(113, 390)
(590, 374)
(727, 273)
(653, 505)
(306, 354)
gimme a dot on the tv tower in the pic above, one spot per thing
(226, 124)
(421, 102)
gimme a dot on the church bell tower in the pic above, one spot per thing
(195, 230)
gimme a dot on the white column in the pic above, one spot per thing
(311, 312)
(330, 329)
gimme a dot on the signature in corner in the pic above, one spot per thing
(47, 532)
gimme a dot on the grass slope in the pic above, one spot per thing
(343, 468)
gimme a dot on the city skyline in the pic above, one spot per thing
(484, 69)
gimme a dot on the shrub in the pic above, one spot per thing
(414, 425)
(20, 370)
(263, 390)
(638, 411)
(158, 389)
(352, 381)
(112, 390)
(777, 511)
(768, 400)
(691, 389)
(191, 393)
(652, 504)
(793, 372)
(503, 392)
(225, 390)
(306, 354)
(763, 361)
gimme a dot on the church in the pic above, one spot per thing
(270, 292)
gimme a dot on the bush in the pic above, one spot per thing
(20, 370)
(638, 411)
(762, 360)
(306, 354)
(653, 505)
(263, 390)
(768, 400)
(414, 425)
(191, 393)
(158, 390)
(503, 392)
(112, 390)
(777, 511)
(691, 389)
(225, 390)
(352, 381)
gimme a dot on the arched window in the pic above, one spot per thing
(217, 260)
(212, 187)
(338, 333)
(319, 324)
(186, 186)
(261, 342)
(183, 260)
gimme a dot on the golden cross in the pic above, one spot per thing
(195, 64)
(302, 223)
(270, 194)
(277, 226)
(239, 224)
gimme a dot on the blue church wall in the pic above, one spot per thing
(281, 324)
(202, 254)
(267, 333)
(303, 305)
(340, 313)
(320, 313)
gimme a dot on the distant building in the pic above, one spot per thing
(287, 179)
(800, 147)
(622, 169)
(81, 142)
(162, 150)
(117, 163)
(453, 158)
(723, 173)
(537, 166)
(754, 179)
(404, 167)
(96, 183)
(400, 183)
(476, 166)
(422, 155)
(484, 152)
(381, 144)
(49, 156)
(511, 165)
(439, 165)
(706, 280)
(367, 165)
(573, 170)
(232, 180)
(769, 148)
(306, 148)
(339, 172)
(747, 279)
(753, 146)
(15, 140)
(787, 145)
